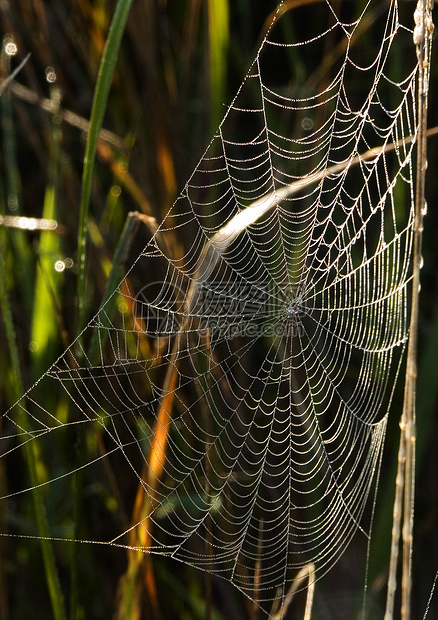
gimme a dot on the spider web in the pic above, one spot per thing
(243, 378)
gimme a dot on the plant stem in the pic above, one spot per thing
(405, 481)
(422, 39)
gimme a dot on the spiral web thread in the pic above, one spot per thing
(245, 377)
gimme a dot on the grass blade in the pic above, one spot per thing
(101, 92)
(31, 457)
(218, 34)
(47, 292)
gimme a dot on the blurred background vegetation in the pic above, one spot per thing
(180, 63)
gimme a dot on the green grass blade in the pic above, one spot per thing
(44, 323)
(31, 455)
(101, 92)
(218, 35)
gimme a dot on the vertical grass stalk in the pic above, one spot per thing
(104, 79)
(405, 481)
(44, 330)
(52, 578)
(218, 36)
(422, 39)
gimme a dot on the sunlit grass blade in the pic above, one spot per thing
(31, 457)
(101, 92)
(218, 35)
(48, 279)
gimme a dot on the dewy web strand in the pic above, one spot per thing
(244, 383)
